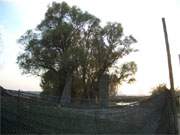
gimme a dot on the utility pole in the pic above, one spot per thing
(168, 56)
(170, 74)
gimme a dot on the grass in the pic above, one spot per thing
(31, 117)
(28, 116)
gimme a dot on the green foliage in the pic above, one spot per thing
(159, 89)
(70, 41)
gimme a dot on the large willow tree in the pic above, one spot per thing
(70, 43)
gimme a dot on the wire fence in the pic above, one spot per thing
(26, 113)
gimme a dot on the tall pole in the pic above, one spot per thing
(170, 74)
(168, 56)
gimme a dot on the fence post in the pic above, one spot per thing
(18, 111)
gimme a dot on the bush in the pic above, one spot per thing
(178, 99)
(159, 89)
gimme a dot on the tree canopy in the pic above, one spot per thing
(71, 42)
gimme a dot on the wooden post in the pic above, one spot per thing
(18, 111)
(170, 74)
(168, 56)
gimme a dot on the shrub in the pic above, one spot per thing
(178, 99)
(159, 89)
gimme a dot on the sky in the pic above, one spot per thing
(140, 18)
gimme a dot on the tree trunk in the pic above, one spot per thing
(103, 90)
(66, 94)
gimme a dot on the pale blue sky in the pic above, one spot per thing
(8, 15)
(141, 18)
